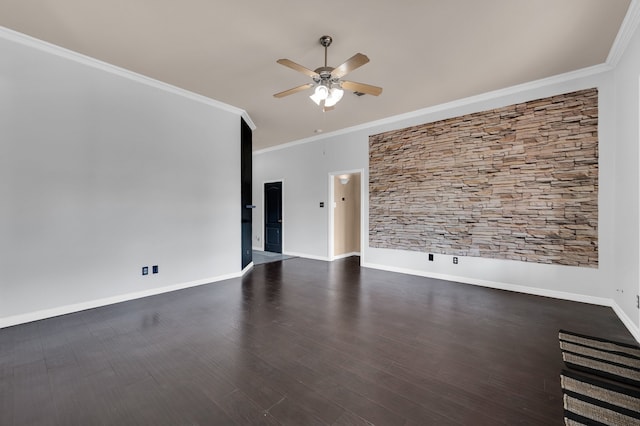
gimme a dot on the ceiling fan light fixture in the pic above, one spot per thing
(327, 81)
(320, 94)
(335, 94)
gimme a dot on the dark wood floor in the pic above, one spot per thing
(299, 342)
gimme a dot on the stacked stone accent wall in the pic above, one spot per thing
(519, 182)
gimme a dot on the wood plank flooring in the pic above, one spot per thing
(299, 342)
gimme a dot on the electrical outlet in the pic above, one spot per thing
(430, 257)
(455, 260)
(155, 269)
(145, 270)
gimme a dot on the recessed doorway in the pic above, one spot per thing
(345, 214)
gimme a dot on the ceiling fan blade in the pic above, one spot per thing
(294, 90)
(356, 61)
(362, 88)
(297, 67)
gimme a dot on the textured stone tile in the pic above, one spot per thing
(518, 182)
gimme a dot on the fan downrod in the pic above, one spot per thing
(325, 41)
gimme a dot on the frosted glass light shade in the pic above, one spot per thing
(334, 97)
(320, 94)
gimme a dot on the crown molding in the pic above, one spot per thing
(302, 141)
(25, 40)
(626, 31)
(248, 120)
(471, 100)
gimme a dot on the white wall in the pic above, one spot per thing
(304, 167)
(101, 174)
(304, 170)
(627, 217)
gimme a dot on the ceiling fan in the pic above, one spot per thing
(328, 81)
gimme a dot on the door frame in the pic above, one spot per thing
(263, 211)
(363, 193)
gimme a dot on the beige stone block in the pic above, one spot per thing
(542, 152)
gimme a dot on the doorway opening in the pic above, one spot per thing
(272, 231)
(345, 217)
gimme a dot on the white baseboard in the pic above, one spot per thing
(573, 297)
(343, 256)
(247, 268)
(77, 307)
(307, 256)
(633, 329)
(63, 310)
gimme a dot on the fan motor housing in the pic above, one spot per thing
(324, 72)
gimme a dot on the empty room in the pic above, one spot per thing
(337, 213)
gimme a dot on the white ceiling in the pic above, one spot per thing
(423, 52)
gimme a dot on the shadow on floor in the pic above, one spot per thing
(260, 257)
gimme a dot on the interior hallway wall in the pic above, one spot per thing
(627, 190)
(102, 174)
